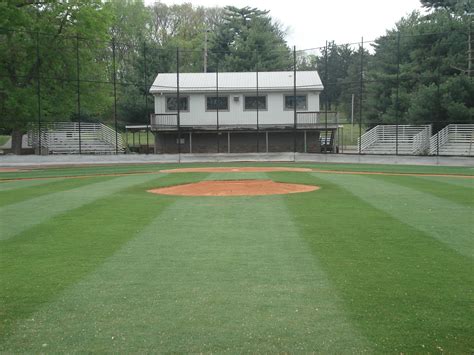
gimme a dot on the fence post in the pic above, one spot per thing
(438, 104)
(294, 99)
(115, 94)
(361, 86)
(397, 102)
(78, 92)
(38, 91)
(178, 108)
(146, 98)
(258, 101)
(326, 97)
(217, 102)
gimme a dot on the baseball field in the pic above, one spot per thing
(375, 259)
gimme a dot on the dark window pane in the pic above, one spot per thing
(171, 104)
(251, 102)
(214, 103)
(300, 102)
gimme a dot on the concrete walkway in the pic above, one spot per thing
(64, 160)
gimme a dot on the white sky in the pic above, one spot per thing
(311, 23)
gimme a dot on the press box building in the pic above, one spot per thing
(238, 112)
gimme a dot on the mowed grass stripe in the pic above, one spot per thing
(52, 186)
(38, 265)
(449, 222)
(238, 176)
(210, 274)
(18, 217)
(20, 184)
(466, 183)
(454, 193)
(404, 290)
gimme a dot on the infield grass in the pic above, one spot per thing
(368, 263)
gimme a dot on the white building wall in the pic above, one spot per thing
(236, 115)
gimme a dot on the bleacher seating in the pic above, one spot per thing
(393, 139)
(454, 139)
(64, 137)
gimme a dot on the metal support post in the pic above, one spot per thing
(294, 99)
(115, 95)
(361, 87)
(38, 91)
(326, 98)
(178, 106)
(78, 92)
(397, 101)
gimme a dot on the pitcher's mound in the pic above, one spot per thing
(234, 188)
(249, 169)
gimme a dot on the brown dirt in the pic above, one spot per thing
(235, 170)
(9, 170)
(225, 169)
(234, 188)
(388, 174)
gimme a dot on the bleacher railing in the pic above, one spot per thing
(454, 139)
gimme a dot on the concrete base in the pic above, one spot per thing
(65, 160)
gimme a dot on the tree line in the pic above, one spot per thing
(417, 72)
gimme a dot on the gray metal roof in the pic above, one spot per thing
(237, 82)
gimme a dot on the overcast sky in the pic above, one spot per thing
(311, 23)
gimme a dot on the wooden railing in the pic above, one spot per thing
(165, 121)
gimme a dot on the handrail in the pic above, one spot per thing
(421, 141)
(368, 139)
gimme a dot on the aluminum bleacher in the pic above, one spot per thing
(454, 139)
(393, 139)
(64, 138)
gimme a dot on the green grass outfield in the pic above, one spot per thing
(368, 263)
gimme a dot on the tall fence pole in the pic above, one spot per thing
(258, 102)
(294, 100)
(361, 88)
(178, 108)
(78, 92)
(217, 103)
(326, 97)
(438, 105)
(38, 91)
(397, 100)
(147, 116)
(115, 94)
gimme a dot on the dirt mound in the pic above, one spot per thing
(234, 188)
(249, 169)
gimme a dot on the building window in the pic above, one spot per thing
(172, 100)
(254, 103)
(301, 102)
(214, 103)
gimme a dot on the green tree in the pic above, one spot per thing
(39, 38)
(248, 38)
(431, 53)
